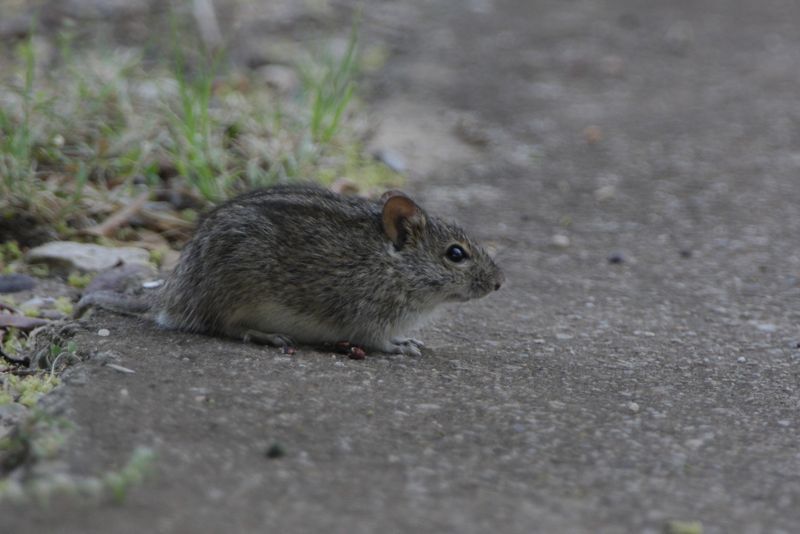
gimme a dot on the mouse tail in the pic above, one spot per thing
(113, 302)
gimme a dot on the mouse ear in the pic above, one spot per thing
(402, 218)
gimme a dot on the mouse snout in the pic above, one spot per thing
(500, 279)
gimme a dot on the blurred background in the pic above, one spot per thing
(635, 165)
(186, 102)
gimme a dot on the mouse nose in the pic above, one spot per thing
(501, 278)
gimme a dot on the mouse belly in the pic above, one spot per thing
(275, 318)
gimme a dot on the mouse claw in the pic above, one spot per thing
(407, 346)
(408, 340)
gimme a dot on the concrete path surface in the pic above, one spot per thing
(637, 167)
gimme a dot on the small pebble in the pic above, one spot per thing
(616, 258)
(12, 283)
(85, 257)
(607, 192)
(104, 332)
(686, 253)
(51, 315)
(560, 241)
(592, 134)
(741, 359)
(633, 407)
(391, 159)
(275, 450)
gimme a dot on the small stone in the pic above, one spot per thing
(121, 279)
(392, 159)
(593, 134)
(604, 193)
(563, 337)
(560, 241)
(275, 450)
(694, 443)
(104, 332)
(21, 322)
(13, 283)
(767, 327)
(36, 302)
(685, 253)
(741, 359)
(69, 255)
(616, 258)
(633, 407)
(784, 423)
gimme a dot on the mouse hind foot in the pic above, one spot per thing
(265, 338)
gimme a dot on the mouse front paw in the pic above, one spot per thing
(405, 345)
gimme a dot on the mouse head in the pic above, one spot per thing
(438, 256)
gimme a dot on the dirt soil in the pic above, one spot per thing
(637, 166)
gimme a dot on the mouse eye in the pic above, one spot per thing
(456, 254)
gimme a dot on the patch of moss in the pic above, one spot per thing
(157, 257)
(5, 398)
(9, 252)
(39, 270)
(79, 281)
(29, 389)
(363, 170)
(13, 342)
(30, 311)
(64, 305)
(684, 527)
(132, 474)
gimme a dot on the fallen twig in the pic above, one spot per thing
(110, 225)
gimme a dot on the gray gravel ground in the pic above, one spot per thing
(587, 395)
